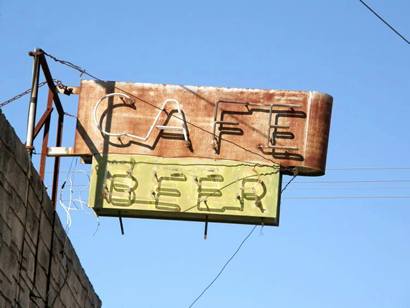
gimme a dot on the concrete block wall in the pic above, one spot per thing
(26, 219)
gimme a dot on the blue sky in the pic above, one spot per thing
(340, 247)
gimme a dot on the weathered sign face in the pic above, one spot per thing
(185, 189)
(289, 128)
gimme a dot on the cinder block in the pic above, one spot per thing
(5, 157)
(5, 233)
(24, 276)
(21, 155)
(73, 293)
(36, 303)
(69, 251)
(3, 182)
(43, 255)
(30, 243)
(45, 230)
(9, 260)
(34, 201)
(74, 285)
(4, 278)
(6, 285)
(66, 296)
(82, 295)
(92, 303)
(59, 229)
(58, 270)
(77, 268)
(17, 228)
(53, 294)
(28, 261)
(37, 184)
(46, 205)
(5, 201)
(16, 209)
(17, 178)
(59, 304)
(8, 289)
(24, 294)
(8, 135)
(84, 281)
(4, 302)
(41, 281)
(32, 223)
(12, 142)
(58, 250)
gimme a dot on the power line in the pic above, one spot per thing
(385, 22)
(224, 266)
(20, 95)
(320, 189)
(85, 72)
(73, 66)
(321, 182)
(327, 169)
(351, 181)
(345, 197)
(367, 168)
(235, 253)
(288, 183)
(59, 85)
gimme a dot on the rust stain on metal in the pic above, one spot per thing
(290, 128)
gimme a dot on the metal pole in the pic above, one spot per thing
(33, 101)
(54, 192)
(44, 145)
(206, 227)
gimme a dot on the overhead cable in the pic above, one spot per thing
(345, 197)
(385, 22)
(20, 95)
(85, 72)
(235, 253)
(351, 181)
(224, 266)
(59, 85)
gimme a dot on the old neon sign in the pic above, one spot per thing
(289, 128)
(197, 153)
(190, 189)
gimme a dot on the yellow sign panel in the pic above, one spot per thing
(185, 189)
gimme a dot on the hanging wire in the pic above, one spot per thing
(234, 254)
(288, 183)
(385, 22)
(353, 181)
(20, 95)
(224, 266)
(345, 197)
(85, 72)
(348, 169)
(75, 201)
(67, 208)
(368, 168)
(69, 64)
(59, 85)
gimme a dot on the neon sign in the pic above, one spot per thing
(189, 189)
(289, 128)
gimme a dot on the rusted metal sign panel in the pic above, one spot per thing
(290, 128)
(185, 189)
